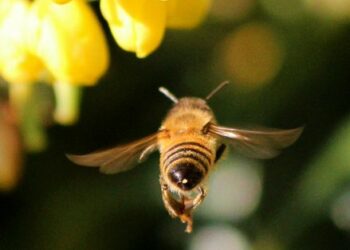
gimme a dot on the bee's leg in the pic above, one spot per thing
(199, 198)
(173, 207)
(186, 216)
(189, 206)
(189, 226)
(177, 208)
(168, 202)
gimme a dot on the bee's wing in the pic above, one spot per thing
(119, 158)
(262, 144)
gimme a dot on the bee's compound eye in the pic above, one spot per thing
(185, 175)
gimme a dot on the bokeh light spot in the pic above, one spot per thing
(235, 190)
(331, 9)
(340, 211)
(232, 9)
(221, 237)
(284, 10)
(252, 55)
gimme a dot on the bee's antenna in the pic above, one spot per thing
(168, 94)
(214, 91)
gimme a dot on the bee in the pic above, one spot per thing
(190, 142)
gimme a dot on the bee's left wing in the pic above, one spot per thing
(262, 144)
(119, 158)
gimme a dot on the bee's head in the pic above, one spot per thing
(185, 176)
(174, 99)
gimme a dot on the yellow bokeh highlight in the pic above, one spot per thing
(232, 9)
(252, 55)
(331, 9)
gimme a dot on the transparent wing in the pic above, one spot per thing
(119, 158)
(262, 144)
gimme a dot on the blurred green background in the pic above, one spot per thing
(289, 65)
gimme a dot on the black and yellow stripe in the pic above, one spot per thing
(194, 152)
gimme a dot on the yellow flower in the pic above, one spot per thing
(5, 7)
(70, 41)
(61, 1)
(139, 25)
(17, 64)
(19, 67)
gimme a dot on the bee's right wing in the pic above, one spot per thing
(119, 158)
(261, 143)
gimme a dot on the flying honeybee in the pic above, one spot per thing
(190, 142)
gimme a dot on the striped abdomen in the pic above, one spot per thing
(187, 163)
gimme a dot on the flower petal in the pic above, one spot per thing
(120, 23)
(17, 65)
(137, 26)
(109, 9)
(61, 1)
(186, 13)
(70, 40)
